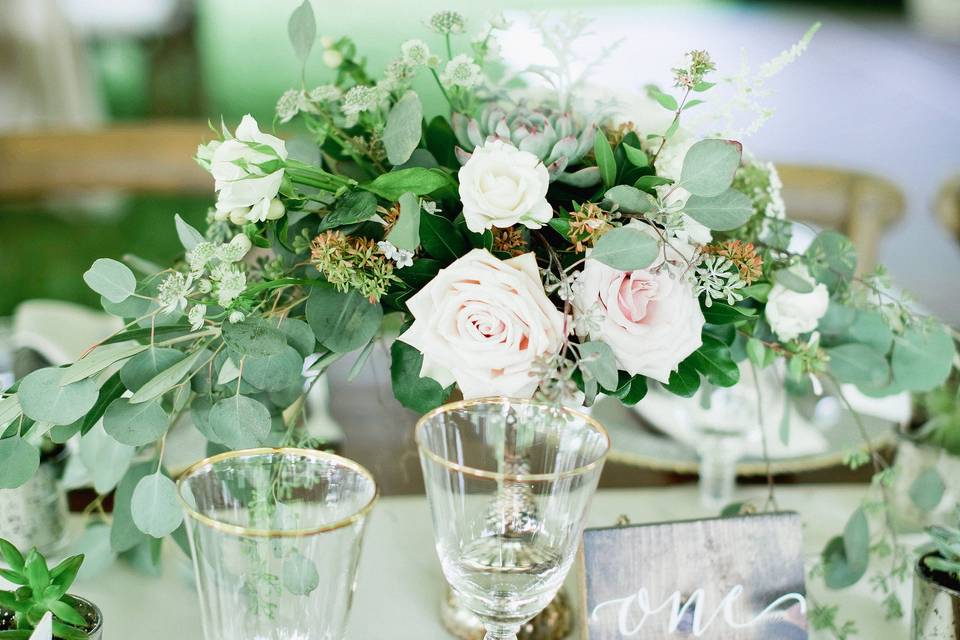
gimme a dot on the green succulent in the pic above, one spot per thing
(560, 139)
(41, 590)
(945, 541)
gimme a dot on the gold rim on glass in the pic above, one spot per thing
(277, 533)
(512, 477)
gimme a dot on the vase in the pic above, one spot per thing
(84, 607)
(34, 514)
(276, 537)
(913, 460)
(936, 604)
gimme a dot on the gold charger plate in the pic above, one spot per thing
(640, 444)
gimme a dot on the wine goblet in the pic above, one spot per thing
(509, 483)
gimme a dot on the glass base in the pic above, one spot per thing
(553, 623)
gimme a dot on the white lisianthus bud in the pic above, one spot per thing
(326, 42)
(238, 216)
(221, 216)
(236, 316)
(276, 210)
(332, 58)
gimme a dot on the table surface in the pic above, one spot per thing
(400, 583)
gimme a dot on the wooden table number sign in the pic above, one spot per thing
(736, 578)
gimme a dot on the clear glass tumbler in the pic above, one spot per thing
(509, 483)
(276, 537)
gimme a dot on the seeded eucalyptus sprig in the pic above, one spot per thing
(42, 589)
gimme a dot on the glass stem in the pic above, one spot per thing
(718, 472)
(501, 632)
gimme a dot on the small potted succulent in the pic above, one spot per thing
(41, 589)
(936, 587)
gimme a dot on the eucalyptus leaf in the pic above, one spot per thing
(793, 281)
(921, 360)
(105, 459)
(302, 29)
(858, 364)
(274, 372)
(404, 128)
(99, 359)
(406, 232)
(145, 366)
(94, 544)
(871, 329)
(927, 489)
(19, 461)
(166, 379)
(831, 259)
(135, 424)
(342, 321)
(597, 359)
(630, 199)
(43, 398)
(709, 166)
(189, 237)
(124, 534)
(239, 422)
(300, 576)
(9, 409)
(626, 249)
(729, 210)
(111, 279)
(254, 337)
(155, 507)
(299, 335)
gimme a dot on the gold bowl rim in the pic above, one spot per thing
(242, 531)
(511, 477)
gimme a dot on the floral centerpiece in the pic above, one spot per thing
(517, 245)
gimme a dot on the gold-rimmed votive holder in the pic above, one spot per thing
(276, 536)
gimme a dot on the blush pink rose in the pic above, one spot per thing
(650, 318)
(484, 323)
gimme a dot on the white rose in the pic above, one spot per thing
(650, 319)
(247, 186)
(501, 186)
(484, 323)
(790, 313)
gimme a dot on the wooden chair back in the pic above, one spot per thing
(151, 157)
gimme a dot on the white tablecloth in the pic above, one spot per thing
(400, 583)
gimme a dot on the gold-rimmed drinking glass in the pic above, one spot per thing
(509, 483)
(276, 537)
